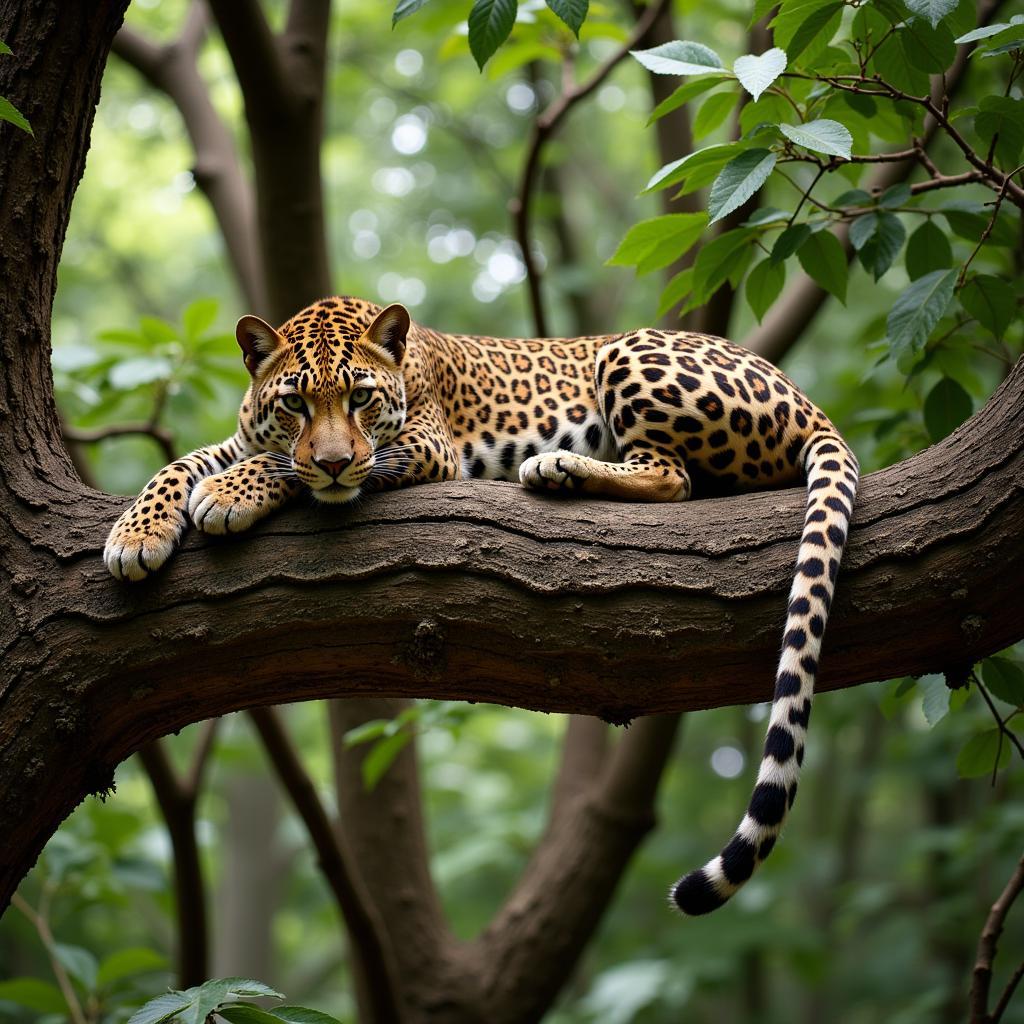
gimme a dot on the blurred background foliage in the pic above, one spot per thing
(870, 908)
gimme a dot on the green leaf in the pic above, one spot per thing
(303, 1015)
(822, 136)
(933, 10)
(78, 962)
(1004, 679)
(996, 51)
(33, 994)
(125, 962)
(710, 157)
(935, 702)
(572, 12)
(368, 731)
(928, 249)
(823, 258)
(250, 989)
(878, 238)
(946, 407)
(713, 111)
(168, 1005)
(133, 373)
(895, 195)
(676, 232)
(927, 49)
(790, 241)
(764, 284)
(243, 1013)
(981, 754)
(206, 998)
(157, 331)
(991, 301)
(4, 48)
(718, 260)
(916, 312)
(738, 181)
(9, 112)
(676, 290)
(490, 22)
(404, 8)
(679, 57)
(1001, 118)
(988, 30)
(806, 25)
(382, 755)
(765, 215)
(757, 73)
(686, 92)
(198, 318)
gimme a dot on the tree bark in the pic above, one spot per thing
(532, 602)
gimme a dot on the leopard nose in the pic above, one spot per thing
(334, 469)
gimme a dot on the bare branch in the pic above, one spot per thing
(177, 805)
(987, 943)
(171, 68)
(545, 125)
(162, 436)
(365, 932)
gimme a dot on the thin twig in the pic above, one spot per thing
(1000, 721)
(39, 921)
(991, 224)
(982, 974)
(545, 125)
(162, 436)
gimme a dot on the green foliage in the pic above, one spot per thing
(221, 999)
(894, 859)
(8, 111)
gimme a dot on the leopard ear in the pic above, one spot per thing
(257, 340)
(389, 329)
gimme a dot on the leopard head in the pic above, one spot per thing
(326, 393)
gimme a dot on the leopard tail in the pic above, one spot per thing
(832, 473)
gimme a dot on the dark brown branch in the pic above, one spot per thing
(987, 943)
(282, 83)
(364, 930)
(935, 540)
(163, 437)
(171, 68)
(544, 127)
(177, 803)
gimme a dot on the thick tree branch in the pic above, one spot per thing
(282, 83)
(434, 591)
(365, 931)
(171, 69)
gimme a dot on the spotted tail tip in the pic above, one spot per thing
(695, 894)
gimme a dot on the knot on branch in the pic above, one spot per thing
(425, 655)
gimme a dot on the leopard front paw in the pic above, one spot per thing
(554, 471)
(220, 504)
(142, 539)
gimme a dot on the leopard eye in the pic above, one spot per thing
(294, 403)
(359, 398)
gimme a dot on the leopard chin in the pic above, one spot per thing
(335, 494)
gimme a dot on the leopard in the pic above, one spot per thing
(350, 398)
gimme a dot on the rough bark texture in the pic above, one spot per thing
(473, 591)
(585, 607)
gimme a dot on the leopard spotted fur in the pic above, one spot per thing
(347, 397)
